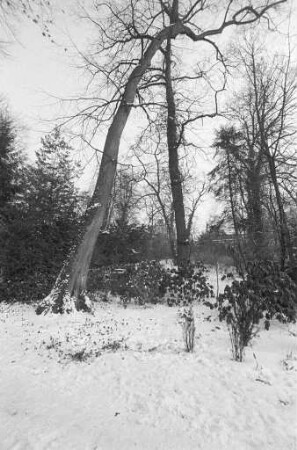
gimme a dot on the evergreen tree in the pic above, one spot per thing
(52, 196)
(10, 181)
(9, 160)
(47, 222)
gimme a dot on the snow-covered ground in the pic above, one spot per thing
(121, 380)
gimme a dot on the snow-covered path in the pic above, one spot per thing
(136, 388)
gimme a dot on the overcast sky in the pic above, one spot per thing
(36, 69)
(37, 72)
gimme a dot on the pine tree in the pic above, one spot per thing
(52, 180)
(9, 160)
(10, 175)
(47, 222)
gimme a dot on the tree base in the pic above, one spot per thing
(58, 302)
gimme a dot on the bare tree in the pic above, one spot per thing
(259, 151)
(130, 35)
(153, 155)
(272, 87)
(151, 152)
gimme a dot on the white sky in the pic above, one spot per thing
(37, 73)
(35, 70)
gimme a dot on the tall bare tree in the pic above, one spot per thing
(173, 140)
(152, 158)
(131, 34)
(153, 154)
(260, 149)
(272, 100)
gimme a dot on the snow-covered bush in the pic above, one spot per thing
(185, 284)
(144, 282)
(141, 281)
(150, 282)
(265, 292)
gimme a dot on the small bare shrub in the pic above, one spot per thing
(290, 361)
(188, 325)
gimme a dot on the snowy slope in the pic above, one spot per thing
(121, 380)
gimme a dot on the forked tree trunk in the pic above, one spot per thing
(69, 289)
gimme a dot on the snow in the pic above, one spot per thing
(120, 379)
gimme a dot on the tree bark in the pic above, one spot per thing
(284, 235)
(254, 213)
(238, 254)
(183, 244)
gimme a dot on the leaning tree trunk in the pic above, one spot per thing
(69, 289)
(183, 244)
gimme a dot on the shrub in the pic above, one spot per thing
(185, 284)
(265, 292)
(121, 244)
(34, 252)
(150, 282)
(144, 282)
(141, 281)
(27, 289)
